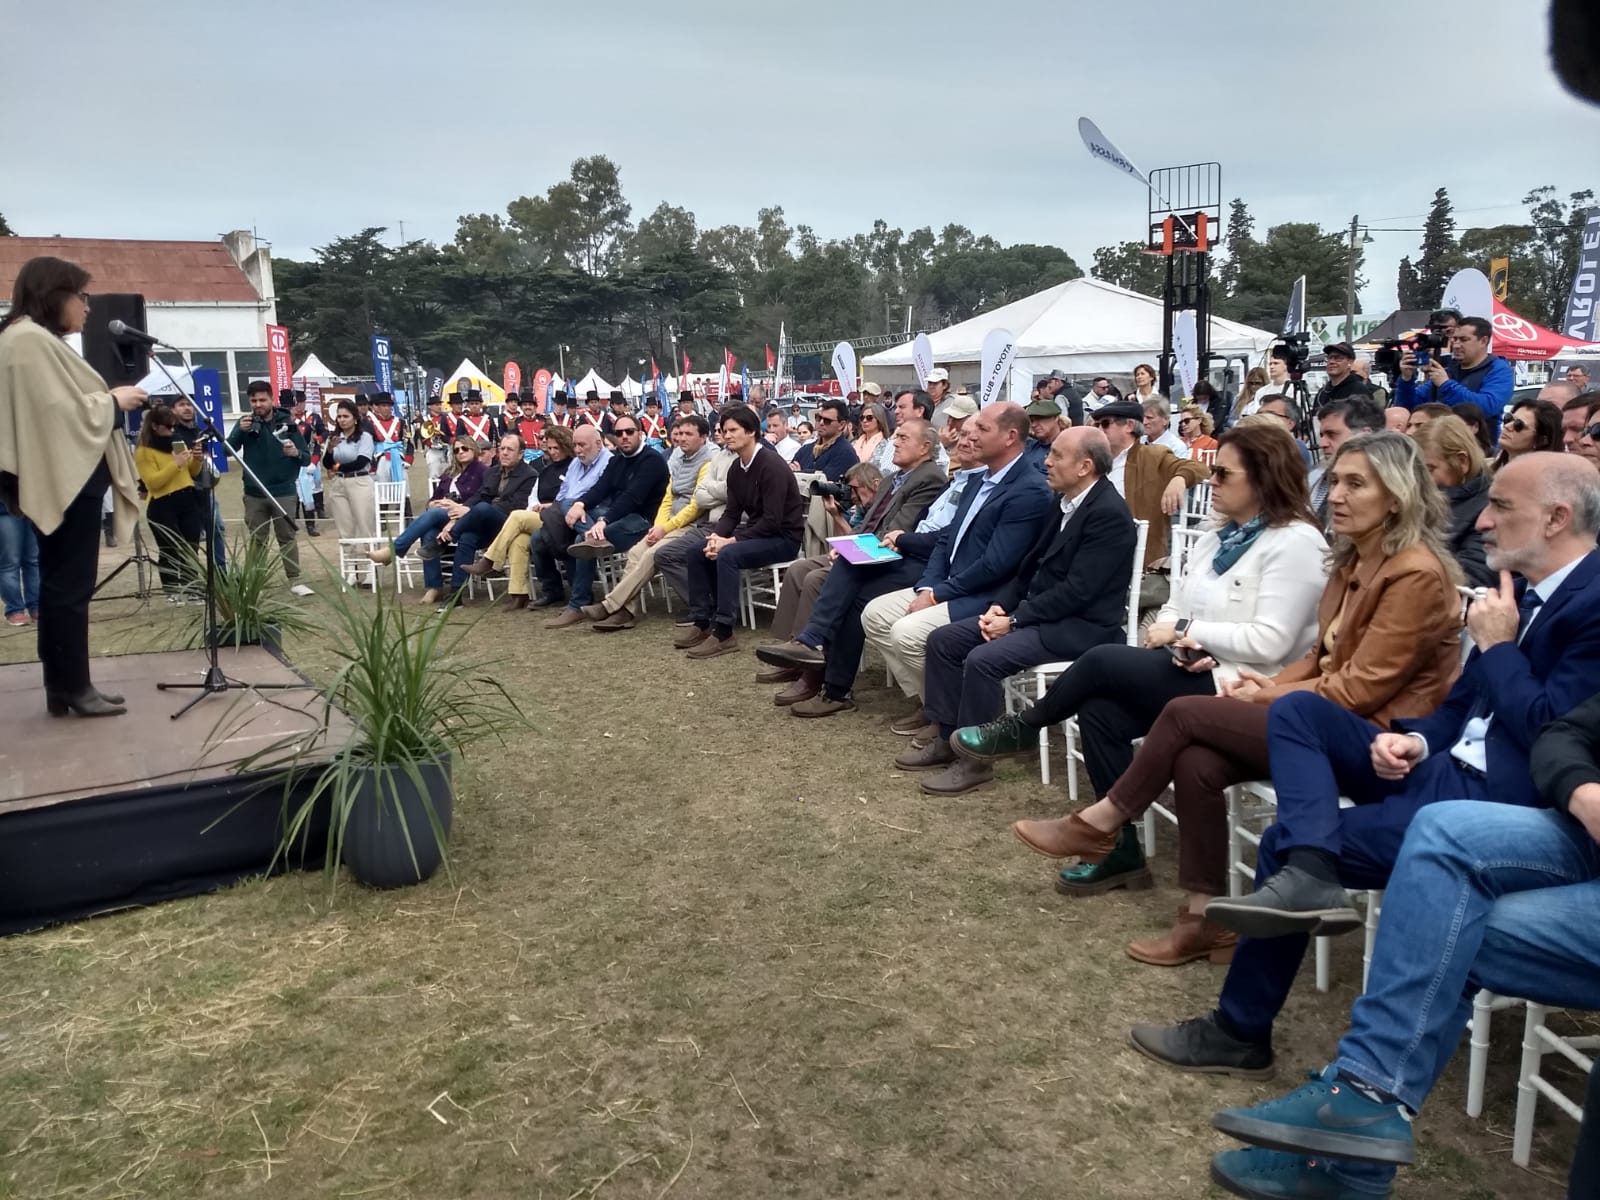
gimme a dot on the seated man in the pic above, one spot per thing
(1045, 424)
(551, 537)
(506, 487)
(1460, 915)
(677, 513)
(958, 410)
(761, 525)
(1152, 480)
(909, 405)
(991, 529)
(1070, 594)
(711, 498)
(614, 515)
(901, 500)
(1537, 654)
(778, 435)
(832, 454)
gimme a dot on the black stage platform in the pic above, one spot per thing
(97, 815)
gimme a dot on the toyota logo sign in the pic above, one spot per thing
(1513, 328)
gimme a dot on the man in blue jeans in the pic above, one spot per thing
(761, 525)
(1495, 896)
(613, 515)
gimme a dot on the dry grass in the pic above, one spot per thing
(693, 948)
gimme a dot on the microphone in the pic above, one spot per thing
(122, 331)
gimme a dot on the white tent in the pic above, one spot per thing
(469, 374)
(312, 371)
(1082, 327)
(630, 388)
(593, 383)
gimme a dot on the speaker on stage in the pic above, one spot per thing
(119, 362)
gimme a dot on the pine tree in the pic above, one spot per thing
(6, 230)
(1239, 242)
(1439, 253)
(1408, 287)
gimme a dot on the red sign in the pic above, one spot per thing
(687, 369)
(541, 389)
(278, 359)
(511, 378)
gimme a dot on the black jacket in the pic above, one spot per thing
(1073, 583)
(763, 499)
(551, 475)
(1567, 754)
(630, 485)
(1351, 385)
(1467, 500)
(514, 494)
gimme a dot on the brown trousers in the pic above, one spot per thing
(802, 584)
(1202, 745)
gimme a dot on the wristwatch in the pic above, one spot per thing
(1180, 626)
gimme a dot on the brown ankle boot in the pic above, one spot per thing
(1192, 937)
(1066, 837)
(805, 686)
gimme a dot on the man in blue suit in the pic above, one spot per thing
(996, 522)
(1536, 656)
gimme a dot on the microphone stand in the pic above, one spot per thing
(216, 682)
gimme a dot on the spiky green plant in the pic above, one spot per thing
(251, 597)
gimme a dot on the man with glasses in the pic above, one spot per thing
(831, 454)
(613, 515)
(1472, 376)
(1288, 413)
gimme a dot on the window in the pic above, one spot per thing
(247, 365)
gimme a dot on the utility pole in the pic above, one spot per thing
(1350, 281)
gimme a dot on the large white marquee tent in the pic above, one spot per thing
(1082, 327)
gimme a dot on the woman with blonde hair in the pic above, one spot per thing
(1455, 461)
(874, 428)
(1194, 427)
(1254, 380)
(1386, 647)
(458, 485)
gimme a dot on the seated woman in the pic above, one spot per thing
(1455, 460)
(1194, 427)
(1386, 647)
(1248, 603)
(874, 428)
(459, 483)
(1533, 425)
(177, 511)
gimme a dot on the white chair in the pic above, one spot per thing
(355, 566)
(1537, 1041)
(1484, 1005)
(1031, 685)
(389, 506)
(759, 588)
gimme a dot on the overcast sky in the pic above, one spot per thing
(186, 118)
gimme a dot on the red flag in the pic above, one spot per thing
(772, 363)
(655, 371)
(686, 368)
(730, 362)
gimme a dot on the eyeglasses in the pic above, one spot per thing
(821, 420)
(1105, 422)
(465, 450)
(1182, 421)
(1223, 474)
(1592, 432)
(1517, 424)
(620, 432)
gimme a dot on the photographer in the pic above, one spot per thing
(274, 451)
(860, 485)
(1343, 382)
(1472, 375)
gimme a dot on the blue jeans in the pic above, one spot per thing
(19, 564)
(426, 530)
(549, 553)
(624, 533)
(472, 532)
(1490, 896)
(714, 582)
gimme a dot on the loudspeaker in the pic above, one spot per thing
(118, 362)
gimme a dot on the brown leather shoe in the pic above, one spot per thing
(595, 612)
(1066, 837)
(770, 675)
(383, 555)
(710, 647)
(621, 619)
(961, 776)
(914, 722)
(481, 567)
(922, 758)
(569, 616)
(1191, 938)
(806, 686)
(927, 735)
(820, 706)
(511, 602)
(691, 635)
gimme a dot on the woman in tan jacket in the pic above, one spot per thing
(61, 446)
(1387, 646)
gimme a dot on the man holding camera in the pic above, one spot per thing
(1470, 376)
(274, 451)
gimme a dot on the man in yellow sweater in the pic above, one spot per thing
(679, 513)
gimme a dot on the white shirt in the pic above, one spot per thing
(1069, 505)
(1172, 442)
(1119, 468)
(788, 447)
(1470, 749)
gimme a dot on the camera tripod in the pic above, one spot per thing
(141, 562)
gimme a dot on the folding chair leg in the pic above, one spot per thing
(1527, 1094)
(1478, 1051)
(1322, 963)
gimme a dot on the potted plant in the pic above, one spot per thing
(416, 703)
(253, 607)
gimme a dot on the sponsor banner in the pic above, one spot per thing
(1582, 320)
(380, 364)
(207, 384)
(278, 367)
(844, 367)
(1186, 350)
(511, 379)
(922, 358)
(998, 348)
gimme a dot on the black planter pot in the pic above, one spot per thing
(271, 640)
(375, 847)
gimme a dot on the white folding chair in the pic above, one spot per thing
(1538, 1040)
(759, 588)
(355, 566)
(1038, 679)
(389, 505)
(1484, 1005)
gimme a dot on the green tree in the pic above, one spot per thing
(965, 283)
(5, 229)
(1131, 266)
(1239, 241)
(1554, 247)
(1440, 258)
(1479, 247)
(1408, 287)
(1290, 251)
(666, 230)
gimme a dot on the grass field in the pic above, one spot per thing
(693, 947)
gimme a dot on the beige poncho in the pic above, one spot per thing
(57, 421)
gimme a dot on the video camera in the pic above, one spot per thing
(1433, 340)
(1295, 351)
(839, 491)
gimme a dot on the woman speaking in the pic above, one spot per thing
(61, 446)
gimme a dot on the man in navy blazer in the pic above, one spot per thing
(1069, 594)
(1536, 656)
(995, 523)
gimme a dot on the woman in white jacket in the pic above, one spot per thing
(1248, 599)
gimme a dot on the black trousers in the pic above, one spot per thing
(178, 520)
(1585, 1181)
(1116, 692)
(68, 559)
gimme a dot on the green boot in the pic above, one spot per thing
(1004, 737)
(1123, 868)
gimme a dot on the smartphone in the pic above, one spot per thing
(179, 447)
(1186, 656)
(1472, 593)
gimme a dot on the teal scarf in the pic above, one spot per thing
(1233, 540)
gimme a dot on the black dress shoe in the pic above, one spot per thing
(549, 602)
(1203, 1046)
(88, 703)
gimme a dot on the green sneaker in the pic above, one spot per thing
(1258, 1174)
(1004, 737)
(1123, 868)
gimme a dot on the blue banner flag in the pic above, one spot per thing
(550, 396)
(661, 393)
(380, 364)
(207, 384)
(572, 389)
